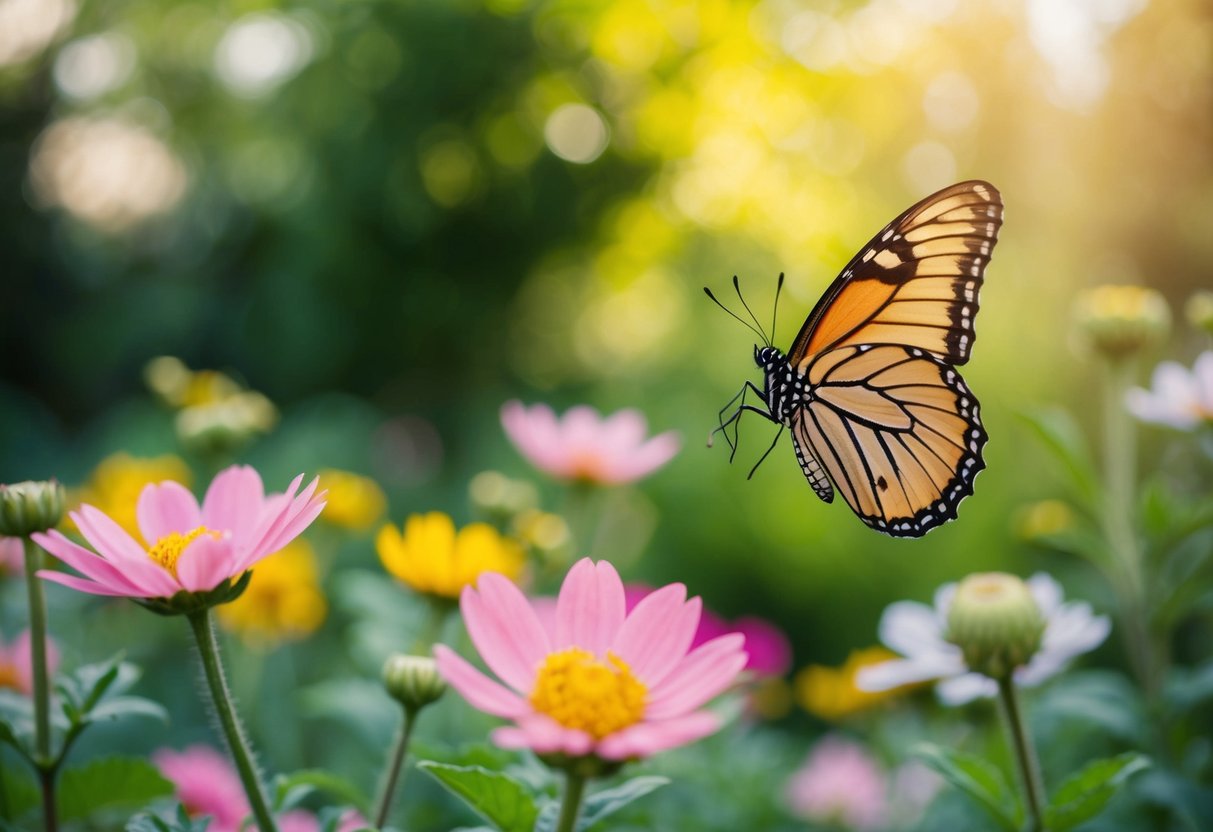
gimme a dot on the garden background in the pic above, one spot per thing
(390, 218)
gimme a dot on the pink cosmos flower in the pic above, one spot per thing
(768, 648)
(584, 446)
(207, 784)
(597, 680)
(12, 556)
(185, 546)
(840, 783)
(17, 663)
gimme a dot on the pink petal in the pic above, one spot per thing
(543, 735)
(706, 671)
(534, 433)
(590, 608)
(294, 517)
(644, 460)
(658, 633)
(143, 579)
(622, 431)
(166, 508)
(647, 738)
(206, 563)
(107, 537)
(505, 630)
(85, 585)
(481, 692)
(234, 501)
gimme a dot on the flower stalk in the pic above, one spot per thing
(395, 767)
(1024, 751)
(208, 652)
(574, 791)
(47, 767)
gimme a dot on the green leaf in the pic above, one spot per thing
(124, 706)
(109, 783)
(977, 778)
(289, 788)
(1060, 435)
(1085, 794)
(601, 804)
(21, 794)
(181, 822)
(499, 798)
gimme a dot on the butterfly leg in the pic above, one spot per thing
(735, 418)
(763, 459)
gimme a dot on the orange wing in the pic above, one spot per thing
(897, 431)
(915, 283)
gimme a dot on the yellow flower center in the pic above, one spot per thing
(168, 549)
(583, 693)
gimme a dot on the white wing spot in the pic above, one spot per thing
(869, 254)
(884, 238)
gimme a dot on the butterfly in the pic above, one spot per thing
(869, 388)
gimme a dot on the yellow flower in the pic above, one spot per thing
(435, 560)
(354, 502)
(830, 692)
(117, 481)
(1122, 320)
(283, 601)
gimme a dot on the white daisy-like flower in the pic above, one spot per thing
(918, 632)
(1178, 397)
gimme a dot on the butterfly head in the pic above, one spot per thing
(766, 357)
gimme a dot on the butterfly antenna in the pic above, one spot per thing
(757, 326)
(716, 301)
(775, 310)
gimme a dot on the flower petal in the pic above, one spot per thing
(706, 671)
(898, 672)
(658, 633)
(912, 629)
(544, 736)
(155, 582)
(205, 563)
(165, 508)
(107, 537)
(962, 689)
(590, 607)
(505, 630)
(234, 501)
(647, 738)
(1046, 592)
(481, 692)
(85, 585)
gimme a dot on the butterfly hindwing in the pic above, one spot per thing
(915, 283)
(897, 431)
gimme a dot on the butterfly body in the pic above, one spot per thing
(869, 389)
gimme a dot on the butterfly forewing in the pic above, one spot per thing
(915, 283)
(897, 431)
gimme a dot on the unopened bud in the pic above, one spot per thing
(413, 681)
(1199, 310)
(1123, 320)
(995, 622)
(28, 507)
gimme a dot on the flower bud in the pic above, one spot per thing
(413, 681)
(995, 622)
(1199, 310)
(500, 497)
(1123, 320)
(28, 507)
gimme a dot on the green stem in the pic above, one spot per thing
(395, 766)
(1025, 754)
(46, 777)
(573, 792)
(1120, 474)
(208, 651)
(37, 627)
(435, 623)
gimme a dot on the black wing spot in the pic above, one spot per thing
(882, 484)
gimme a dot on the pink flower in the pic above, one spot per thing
(12, 556)
(186, 546)
(839, 783)
(597, 680)
(17, 663)
(585, 447)
(206, 784)
(770, 653)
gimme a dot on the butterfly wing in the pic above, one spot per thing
(898, 432)
(915, 283)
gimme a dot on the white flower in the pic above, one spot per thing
(918, 633)
(1179, 398)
